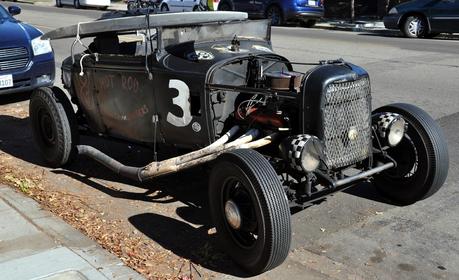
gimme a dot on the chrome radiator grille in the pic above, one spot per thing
(346, 122)
(13, 58)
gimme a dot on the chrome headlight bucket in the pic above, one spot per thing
(391, 128)
(304, 152)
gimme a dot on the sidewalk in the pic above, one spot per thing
(34, 244)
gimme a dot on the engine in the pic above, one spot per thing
(326, 115)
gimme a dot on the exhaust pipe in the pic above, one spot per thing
(176, 164)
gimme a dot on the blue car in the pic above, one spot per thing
(26, 61)
(306, 12)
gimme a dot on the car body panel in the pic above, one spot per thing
(444, 16)
(441, 15)
(180, 5)
(17, 36)
(88, 3)
(291, 9)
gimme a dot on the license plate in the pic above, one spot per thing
(6, 81)
(312, 3)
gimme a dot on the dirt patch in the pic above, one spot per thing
(159, 230)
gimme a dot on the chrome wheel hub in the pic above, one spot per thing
(233, 215)
(416, 27)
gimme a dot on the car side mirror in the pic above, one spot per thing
(14, 10)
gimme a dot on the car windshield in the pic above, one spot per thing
(255, 30)
(4, 13)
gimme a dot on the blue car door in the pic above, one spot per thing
(444, 16)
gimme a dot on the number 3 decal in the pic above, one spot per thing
(183, 101)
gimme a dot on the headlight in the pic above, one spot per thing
(303, 152)
(40, 46)
(393, 11)
(391, 128)
(396, 131)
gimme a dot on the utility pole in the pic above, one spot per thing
(352, 10)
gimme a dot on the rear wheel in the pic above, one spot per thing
(58, 3)
(54, 125)
(422, 158)
(250, 210)
(274, 13)
(415, 26)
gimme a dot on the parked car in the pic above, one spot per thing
(210, 83)
(306, 12)
(26, 61)
(424, 18)
(179, 5)
(142, 4)
(78, 4)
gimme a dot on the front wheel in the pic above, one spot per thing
(250, 210)
(415, 26)
(422, 158)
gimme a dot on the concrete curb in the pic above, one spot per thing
(35, 244)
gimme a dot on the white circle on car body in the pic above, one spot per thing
(201, 55)
(196, 127)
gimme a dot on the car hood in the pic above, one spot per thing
(16, 33)
(412, 5)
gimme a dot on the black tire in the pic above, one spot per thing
(76, 4)
(164, 8)
(247, 179)
(104, 8)
(308, 23)
(225, 6)
(131, 6)
(274, 13)
(58, 3)
(415, 26)
(422, 158)
(54, 125)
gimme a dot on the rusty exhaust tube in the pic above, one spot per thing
(166, 169)
(155, 169)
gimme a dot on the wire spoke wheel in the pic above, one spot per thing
(250, 210)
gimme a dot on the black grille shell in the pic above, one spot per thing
(13, 58)
(346, 122)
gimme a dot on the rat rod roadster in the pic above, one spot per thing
(277, 138)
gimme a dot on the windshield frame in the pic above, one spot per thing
(165, 34)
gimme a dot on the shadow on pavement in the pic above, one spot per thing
(368, 191)
(15, 97)
(185, 240)
(397, 34)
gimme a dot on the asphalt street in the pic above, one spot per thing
(357, 234)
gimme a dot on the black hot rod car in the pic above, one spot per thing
(209, 82)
